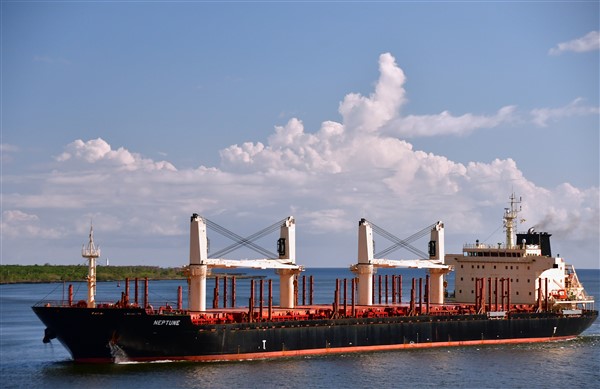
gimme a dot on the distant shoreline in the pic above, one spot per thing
(36, 274)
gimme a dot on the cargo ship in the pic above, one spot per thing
(515, 292)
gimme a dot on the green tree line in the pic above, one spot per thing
(58, 273)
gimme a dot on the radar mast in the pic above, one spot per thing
(510, 215)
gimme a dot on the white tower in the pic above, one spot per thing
(437, 252)
(91, 252)
(365, 269)
(286, 246)
(198, 268)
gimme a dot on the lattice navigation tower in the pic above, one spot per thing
(91, 252)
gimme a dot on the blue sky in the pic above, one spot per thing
(135, 115)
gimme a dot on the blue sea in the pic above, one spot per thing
(26, 362)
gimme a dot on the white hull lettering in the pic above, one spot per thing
(166, 322)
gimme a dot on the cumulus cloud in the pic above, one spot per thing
(327, 179)
(588, 42)
(541, 116)
(98, 150)
(368, 114)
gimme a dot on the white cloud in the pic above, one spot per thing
(368, 114)
(446, 124)
(541, 116)
(19, 224)
(289, 148)
(588, 42)
(6, 151)
(8, 148)
(98, 150)
(327, 179)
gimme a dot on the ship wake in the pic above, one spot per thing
(118, 354)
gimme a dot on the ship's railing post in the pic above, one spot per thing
(400, 289)
(420, 295)
(496, 294)
(260, 299)
(303, 290)
(310, 296)
(345, 297)
(225, 291)
(270, 299)
(70, 295)
(146, 303)
(136, 292)
(179, 298)
(295, 283)
(427, 293)
(216, 293)
(233, 281)
(546, 308)
(412, 296)
(251, 302)
(126, 300)
(373, 289)
(352, 294)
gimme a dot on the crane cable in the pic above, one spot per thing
(402, 243)
(241, 241)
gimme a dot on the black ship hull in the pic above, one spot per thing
(132, 334)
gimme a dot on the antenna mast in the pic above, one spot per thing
(510, 215)
(91, 252)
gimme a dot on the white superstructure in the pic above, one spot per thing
(529, 272)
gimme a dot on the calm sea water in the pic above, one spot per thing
(26, 362)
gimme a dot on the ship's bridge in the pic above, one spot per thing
(501, 250)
